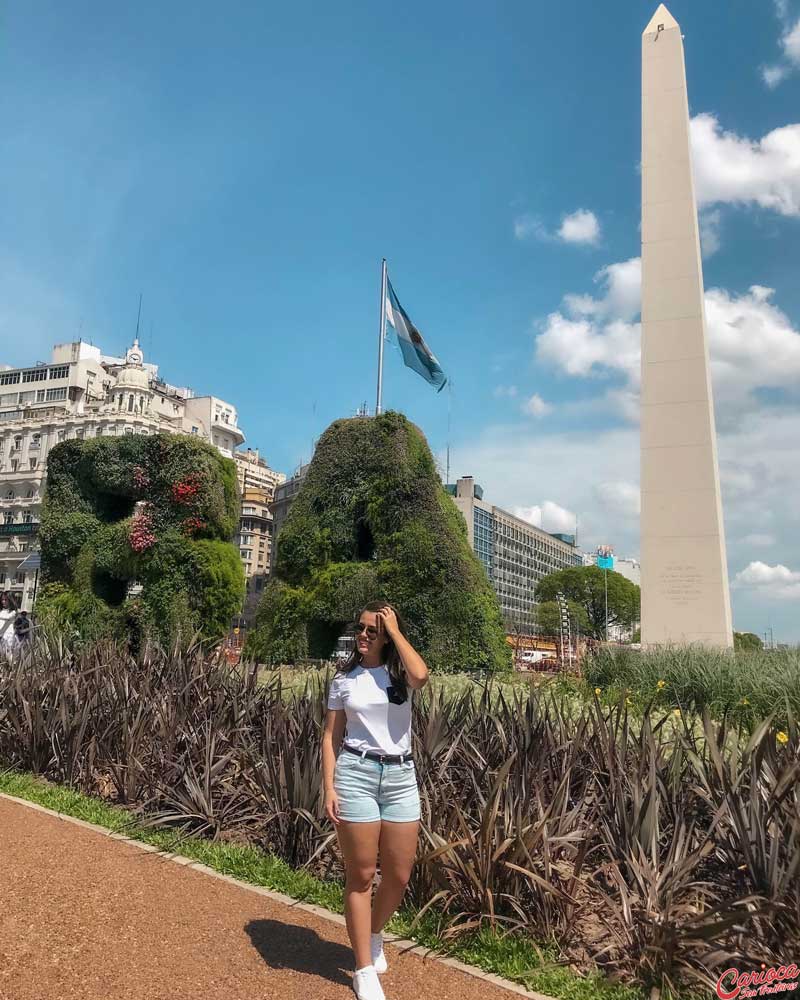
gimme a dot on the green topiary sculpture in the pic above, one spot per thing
(156, 511)
(372, 521)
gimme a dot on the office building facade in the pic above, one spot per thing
(515, 554)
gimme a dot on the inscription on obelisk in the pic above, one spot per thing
(685, 595)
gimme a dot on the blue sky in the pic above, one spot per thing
(246, 167)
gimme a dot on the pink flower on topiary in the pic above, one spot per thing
(193, 524)
(185, 490)
(141, 535)
(140, 478)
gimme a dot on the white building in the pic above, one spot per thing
(257, 485)
(515, 553)
(83, 393)
(253, 472)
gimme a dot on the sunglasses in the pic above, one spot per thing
(370, 630)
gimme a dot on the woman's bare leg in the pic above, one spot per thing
(359, 846)
(398, 848)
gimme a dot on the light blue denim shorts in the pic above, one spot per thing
(369, 791)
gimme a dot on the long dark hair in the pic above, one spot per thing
(394, 664)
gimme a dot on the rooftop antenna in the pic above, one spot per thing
(138, 316)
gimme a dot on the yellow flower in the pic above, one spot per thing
(783, 737)
(661, 685)
(744, 701)
(676, 711)
(598, 690)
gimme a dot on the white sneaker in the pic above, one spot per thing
(366, 984)
(378, 957)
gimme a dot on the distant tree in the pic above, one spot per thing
(585, 587)
(548, 618)
(746, 641)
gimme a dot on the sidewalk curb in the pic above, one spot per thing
(404, 945)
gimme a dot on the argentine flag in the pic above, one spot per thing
(415, 351)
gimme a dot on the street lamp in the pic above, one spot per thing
(605, 560)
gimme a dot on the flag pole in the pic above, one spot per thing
(449, 412)
(381, 337)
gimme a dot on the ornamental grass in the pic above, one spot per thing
(659, 849)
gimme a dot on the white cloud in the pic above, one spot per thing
(622, 290)
(790, 50)
(528, 226)
(580, 226)
(752, 343)
(710, 221)
(505, 391)
(515, 461)
(773, 75)
(759, 540)
(732, 169)
(536, 406)
(549, 516)
(779, 581)
(619, 497)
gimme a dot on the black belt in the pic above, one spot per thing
(382, 758)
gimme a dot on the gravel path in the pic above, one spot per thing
(85, 917)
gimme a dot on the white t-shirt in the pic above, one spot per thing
(373, 721)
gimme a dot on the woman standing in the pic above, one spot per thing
(371, 792)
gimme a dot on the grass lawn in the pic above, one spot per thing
(512, 956)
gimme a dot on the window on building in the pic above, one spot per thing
(34, 462)
(129, 430)
(9, 378)
(130, 403)
(27, 397)
(14, 464)
(10, 495)
(36, 440)
(195, 430)
(8, 517)
(17, 441)
(27, 517)
(79, 432)
(35, 375)
(30, 495)
(60, 371)
(54, 395)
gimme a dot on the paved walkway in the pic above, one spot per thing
(86, 917)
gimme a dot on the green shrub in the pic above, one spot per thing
(747, 685)
(160, 511)
(662, 849)
(372, 521)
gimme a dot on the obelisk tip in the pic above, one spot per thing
(661, 17)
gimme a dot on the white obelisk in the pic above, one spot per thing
(685, 596)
